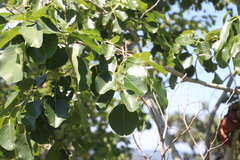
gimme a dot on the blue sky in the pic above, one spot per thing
(189, 94)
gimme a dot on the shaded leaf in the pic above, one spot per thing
(57, 60)
(104, 100)
(217, 79)
(236, 63)
(26, 84)
(47, 26)
(122, 121)
(161, 93)
(40, 80)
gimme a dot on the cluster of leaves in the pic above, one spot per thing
(64, 58)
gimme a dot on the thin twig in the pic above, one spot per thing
(97, 5)
(149, 9)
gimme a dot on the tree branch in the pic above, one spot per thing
(212, 85)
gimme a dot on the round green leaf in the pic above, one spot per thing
(122, 121)
(32, 36)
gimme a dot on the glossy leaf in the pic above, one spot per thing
(136, 84)
(32, 36)
(10, 67)
(6, 36)
(8, 136)
(108, 50)
(217, 46)
(24, 147)
(12, 97)
(106, 81)
(130, 99)
(53, 119)
(29, 121)
(122, 121)
(121, 15)
(116, 26)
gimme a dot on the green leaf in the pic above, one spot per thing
(185, 38)
(58, 59)
(136, 84)
(122, 121)
(53, 153)
(35, 108)
(121, 15)
(160, 68)
(132, 4)
(11, 64)
(235, 48)
(217, 79)
(110, 65)
(40, 80)
(236, 63)
(116, 27)
(29, 121)
(81, 70)
(24, 147)
(47, 26)
(48, 48)
(40, 134)
(115, 39)
(26, 84)
(8, 136)
(224, 33)
(138, 71)
(12, 97)
(108, 50)
(32, 36)
(161, 93)
(53, 119)
(104, 100)
(6, 36)
(106, 81)
(61, 108)
(89, 40)
(185, 60)
(204, 52)
(130, 99)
